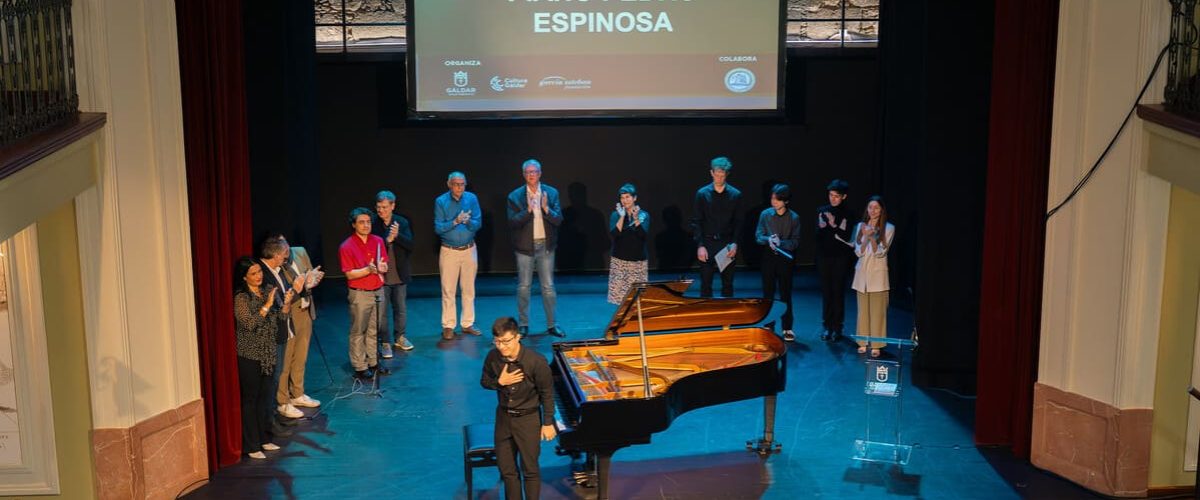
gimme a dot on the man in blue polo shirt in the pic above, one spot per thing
(456, 219)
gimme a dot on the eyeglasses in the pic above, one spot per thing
(459, 183)
(506, 341)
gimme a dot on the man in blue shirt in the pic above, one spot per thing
(456, 219)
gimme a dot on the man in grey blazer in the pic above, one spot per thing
(295, 356)
(534, 214)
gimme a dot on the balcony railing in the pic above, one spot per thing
(37, 67)
(1182, 93)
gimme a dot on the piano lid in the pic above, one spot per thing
(665, 308)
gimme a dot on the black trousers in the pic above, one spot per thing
(396, 296)
(519, 436)
(833, 271)
(707, 269)
(258, 394)
(777, 273)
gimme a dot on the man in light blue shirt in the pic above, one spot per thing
(456, 219)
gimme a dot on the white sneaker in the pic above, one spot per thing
(259, 455)
(305, 401)
(289, 411)
(270, 447)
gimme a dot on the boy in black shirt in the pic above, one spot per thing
(835, 253)
(716, 215)
(779, 230)
(525, 409)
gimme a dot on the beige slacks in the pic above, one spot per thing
(295, 356)
(872, 316)
(458, 268)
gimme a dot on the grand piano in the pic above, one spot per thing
(690, 352)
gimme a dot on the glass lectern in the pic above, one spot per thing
(883, 387)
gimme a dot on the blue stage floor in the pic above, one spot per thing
(406, 440)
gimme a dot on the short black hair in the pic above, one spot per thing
(782, 192)
(842, 187)
(627, 189)
(504, 325)
(357, 212)
(385, 195)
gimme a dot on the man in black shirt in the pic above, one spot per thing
(398, 236)
(715, 223)
(779, 230)
(524, 410)
(835, 253)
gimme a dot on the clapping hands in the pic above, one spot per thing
(393, 231)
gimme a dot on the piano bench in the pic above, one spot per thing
(479, 450)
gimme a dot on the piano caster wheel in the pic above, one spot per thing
(764, 448)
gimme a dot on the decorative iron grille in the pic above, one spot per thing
(833, 23)
(1182, 94)
(361, 25)
(37, 67)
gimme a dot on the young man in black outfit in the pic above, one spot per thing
(715, 220)
(779, 230)
(835, 254)
(524, 410)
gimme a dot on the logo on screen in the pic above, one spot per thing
(499, 84)
(460, 88)
(739, 80)
(552, 81)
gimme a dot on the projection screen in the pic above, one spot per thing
(500, 58)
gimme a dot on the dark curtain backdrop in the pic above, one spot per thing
(365, 144)
(936, 96)
(214, 119)
(281, 120)
(1014, 231)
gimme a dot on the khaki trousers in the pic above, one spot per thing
(458, 268)
(295, 356)
(872, 316)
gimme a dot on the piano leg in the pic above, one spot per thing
(767, 445)
(603, 460)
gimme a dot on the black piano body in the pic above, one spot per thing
(700, 352)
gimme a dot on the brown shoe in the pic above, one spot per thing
(447, 334)
(472, 330)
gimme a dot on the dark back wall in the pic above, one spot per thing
(364, 145)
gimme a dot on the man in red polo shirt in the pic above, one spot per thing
(364, 260)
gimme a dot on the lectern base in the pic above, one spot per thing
(874, 451)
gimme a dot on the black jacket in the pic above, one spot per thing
(398, 250)
(519, 220)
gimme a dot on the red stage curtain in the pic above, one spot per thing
(218, 177)
(1014, 232)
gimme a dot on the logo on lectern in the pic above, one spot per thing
(881, 373)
